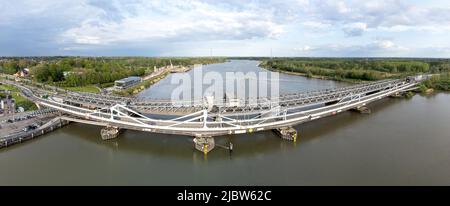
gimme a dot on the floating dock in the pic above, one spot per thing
(287, 133)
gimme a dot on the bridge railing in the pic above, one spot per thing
(207, 123)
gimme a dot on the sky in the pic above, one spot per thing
(305, 28)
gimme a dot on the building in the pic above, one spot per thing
(8, 106)
(126, 83)
(22, 73)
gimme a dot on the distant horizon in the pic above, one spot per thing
(231, 57)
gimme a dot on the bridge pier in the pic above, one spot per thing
(109, 132)
(337, 100)
(362, 110)
(403, 94)
(287, 133)
(204, 144)
(396, 95)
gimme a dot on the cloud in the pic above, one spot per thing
(386, 44)
(355, 29)
(356, 16)
(378, 47)
(100, 27)
(303, 49)
(174, 21)
(101, 23)
(316, 25)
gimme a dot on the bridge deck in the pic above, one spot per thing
(290, 109)
(248, 106)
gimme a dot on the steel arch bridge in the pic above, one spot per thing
(200, 120)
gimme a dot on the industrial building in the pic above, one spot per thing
(126, 83)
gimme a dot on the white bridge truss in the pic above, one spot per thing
(292, 109)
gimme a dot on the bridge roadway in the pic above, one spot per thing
(204, 122)
(246, 106)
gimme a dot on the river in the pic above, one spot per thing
(403, 142)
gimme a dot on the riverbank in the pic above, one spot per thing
(141, 86)
(47, 124)
(153, 78)
(370, 71)
(339, 78)
(352, 81)
(354, 70)
(440, 82)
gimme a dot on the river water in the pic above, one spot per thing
(287, 83)
(403, 142)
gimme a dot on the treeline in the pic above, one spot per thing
(11, 66)
(357, 69)
(439, 65)
(81, 71)
(439, 82)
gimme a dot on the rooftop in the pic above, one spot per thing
(128, 79)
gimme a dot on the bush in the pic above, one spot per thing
(439, 82)
(356, 69)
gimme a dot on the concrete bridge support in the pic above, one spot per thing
(404, 94)
(287, 133)
(396, 95)
(204, 144)
(109, 132)
(362, 110)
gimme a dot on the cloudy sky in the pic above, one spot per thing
(334, 28)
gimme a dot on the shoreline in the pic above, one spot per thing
(49, 126)
(162, 75)
(313, 76)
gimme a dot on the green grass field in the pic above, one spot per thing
(20, 100)
(89, 88)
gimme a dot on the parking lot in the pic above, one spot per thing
(8, 126)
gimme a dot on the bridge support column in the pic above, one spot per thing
(362, 110)
(406, 94)
(109, 132)
(396, 95)
(287, 133)
(204, 144)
